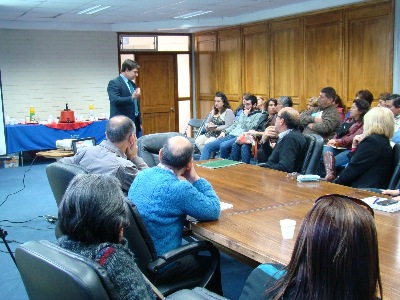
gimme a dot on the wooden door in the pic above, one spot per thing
(158, 92)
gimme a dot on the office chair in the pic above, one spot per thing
(395, 179)
(149, 146)
(141, 244)
(59, 176)
(312, 158)
(51, 272)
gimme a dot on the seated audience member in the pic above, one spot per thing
(382, 99)
(335, 157)
(363, 94)
(164, 200)
(264, 150)
(328, 261)
(371, 162)
(312, 102)
(288, 153)
(220, 118)
(116, 156)
(393, 103)
(339, 107)
(323, 120)
(261, 104)
(239, 110)
(92, 216)
(243, 151)
(250, 119)
(366, 95)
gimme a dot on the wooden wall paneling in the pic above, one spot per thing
(206, 48)
(287, 59)
(256, 60)
(323, 53)
(230, 63)
(205, 107)
(206, 75)
(369, 50)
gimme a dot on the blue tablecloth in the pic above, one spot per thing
(40, 137)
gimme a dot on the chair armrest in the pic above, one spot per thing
(182, 251)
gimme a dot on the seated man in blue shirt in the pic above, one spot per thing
(165, 195)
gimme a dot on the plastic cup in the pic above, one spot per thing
(287, 228)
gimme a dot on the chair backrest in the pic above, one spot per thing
(60, 175)
(139, 239)
(312, 158)
(395, 180)
(51, 272)
(149, 146)
(196, 125)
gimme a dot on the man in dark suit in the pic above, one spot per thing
(124, 95)
(291, 146)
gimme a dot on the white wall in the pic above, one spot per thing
(47, 69)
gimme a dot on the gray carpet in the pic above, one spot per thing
(21, 215)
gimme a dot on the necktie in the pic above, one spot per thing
(135, 101)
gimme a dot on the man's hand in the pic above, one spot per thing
(190, 174)
(246, 111)
(131, 151)
(136, 93)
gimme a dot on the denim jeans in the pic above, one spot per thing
(241, 151)
(221, 144)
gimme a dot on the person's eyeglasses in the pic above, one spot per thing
(278, 116)
(355, 200)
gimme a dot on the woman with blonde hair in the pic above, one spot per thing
(371, 162)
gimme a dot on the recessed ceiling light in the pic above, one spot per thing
(92, 10)
(192, 14)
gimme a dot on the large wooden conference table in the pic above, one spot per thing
(261, 197)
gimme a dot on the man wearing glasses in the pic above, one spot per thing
(124, 94)
(288, 153)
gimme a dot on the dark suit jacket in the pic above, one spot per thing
(121, 102)
(288, 154)
(371, 165)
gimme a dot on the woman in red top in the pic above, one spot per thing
(337, 148)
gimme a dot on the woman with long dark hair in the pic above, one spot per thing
(335, 257)
(218, 119)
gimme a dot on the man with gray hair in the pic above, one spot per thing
(116, 156)
(165, 195)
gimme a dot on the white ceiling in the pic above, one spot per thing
(149, 15)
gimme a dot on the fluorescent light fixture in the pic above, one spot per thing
(192, 14)
(92, 10)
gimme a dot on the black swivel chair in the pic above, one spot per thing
(141, 244)
(315, 144)
(149, 145)
(51, 272)
(59, 176)
(395, 180)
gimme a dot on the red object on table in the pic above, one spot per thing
(69, 126)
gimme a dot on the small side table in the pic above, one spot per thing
(56, 154)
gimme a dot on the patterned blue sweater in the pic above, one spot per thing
(163, 201)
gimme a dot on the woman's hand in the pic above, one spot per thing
(331, 143)
(391, 192)
(357, 140)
